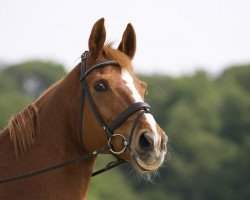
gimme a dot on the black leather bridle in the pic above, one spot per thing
(109, 129)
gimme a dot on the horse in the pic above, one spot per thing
(98, 107)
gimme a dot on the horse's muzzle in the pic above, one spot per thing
(148, 152)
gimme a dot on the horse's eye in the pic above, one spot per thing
(100, 87)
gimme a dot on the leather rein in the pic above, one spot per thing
(109, 129)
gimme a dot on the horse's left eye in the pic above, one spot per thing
(100, 87)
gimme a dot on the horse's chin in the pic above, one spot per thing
(141, 166)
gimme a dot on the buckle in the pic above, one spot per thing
(84, 55)
(125, 143)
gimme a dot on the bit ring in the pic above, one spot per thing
(125, 143)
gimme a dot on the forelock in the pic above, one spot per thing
(116, 55)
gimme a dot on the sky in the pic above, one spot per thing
(174, 37)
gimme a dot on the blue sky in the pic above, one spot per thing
(173, 37)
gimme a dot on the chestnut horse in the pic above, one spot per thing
(47, 132)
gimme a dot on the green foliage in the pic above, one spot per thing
(207, 121)
(112, 184)
(33, 77)
(10, 103)
(22, 83)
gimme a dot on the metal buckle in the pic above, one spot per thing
(125, 143)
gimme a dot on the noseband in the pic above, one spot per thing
(109, 129)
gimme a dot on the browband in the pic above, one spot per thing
(98, 65)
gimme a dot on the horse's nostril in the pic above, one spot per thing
(146, 142)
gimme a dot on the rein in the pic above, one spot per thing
(141, 107)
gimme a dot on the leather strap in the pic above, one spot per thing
(128, 113)
(86, 91)
(98, 65)
(53, 167)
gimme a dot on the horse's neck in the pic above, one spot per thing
(55, 142)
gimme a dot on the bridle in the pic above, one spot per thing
(109, 129)
(120, 119)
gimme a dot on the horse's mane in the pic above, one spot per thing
(24, 126)
(21, 128)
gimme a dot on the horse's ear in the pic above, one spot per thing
(97, 38)
(128, 43)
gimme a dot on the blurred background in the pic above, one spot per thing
(195, 57)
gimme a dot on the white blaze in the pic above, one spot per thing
(137, 98)
(130, 84)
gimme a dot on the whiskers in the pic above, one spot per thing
(170, 154)
(150, 177)
(145, 177)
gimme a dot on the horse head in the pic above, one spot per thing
(114, 90)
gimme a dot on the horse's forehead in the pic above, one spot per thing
(122, 73)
